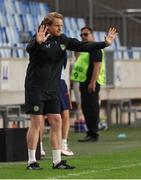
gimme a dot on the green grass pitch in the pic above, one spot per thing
(109, 158)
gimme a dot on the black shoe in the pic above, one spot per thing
(62, 165)
(88, 139)
(34, 166)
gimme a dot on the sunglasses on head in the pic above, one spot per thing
(84, 34)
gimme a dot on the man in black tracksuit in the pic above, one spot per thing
(46, 55)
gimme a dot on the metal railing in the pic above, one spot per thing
(118, 54)
(12, 51)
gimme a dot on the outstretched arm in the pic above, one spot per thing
(75, 45)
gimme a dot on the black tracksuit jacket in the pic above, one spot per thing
(47, 59)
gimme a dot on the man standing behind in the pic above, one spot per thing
(95, 76)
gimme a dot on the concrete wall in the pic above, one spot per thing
(12, 74)
(126, 74)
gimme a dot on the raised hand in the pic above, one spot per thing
(112, 33)
(41, 35)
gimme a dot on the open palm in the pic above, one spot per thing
(41, 35)
(112, 33)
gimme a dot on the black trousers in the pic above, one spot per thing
(90, 107)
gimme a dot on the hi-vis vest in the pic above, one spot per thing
(79, 71)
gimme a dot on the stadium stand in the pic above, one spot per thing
(18, 22)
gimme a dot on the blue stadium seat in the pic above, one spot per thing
(9, 6)
(67, 23)
(73, 26)
(35, 22)
(96, 35)
(29, 20)
(5, 52)
(44, 8)
(80, 22)
(17, 19)
(40, 17)
(77, 34)
(10, 20)
(20, 53)
(136, 52)
(34, 8)
(25, 7)
(3, 21)
(18, 7)
(73, 23)
(2, 7)
(3, 36)
(12, 34)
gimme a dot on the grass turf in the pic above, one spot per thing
(109, 158)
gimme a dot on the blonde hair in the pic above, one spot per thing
(48, 20)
